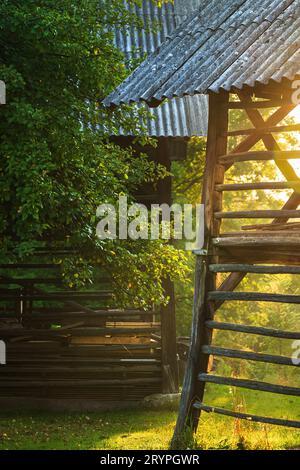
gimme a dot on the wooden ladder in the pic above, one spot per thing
(271, 248)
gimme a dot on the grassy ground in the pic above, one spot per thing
(150, 430)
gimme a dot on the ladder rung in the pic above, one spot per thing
(250, 268)
(254, 330)
(264, 239)
(254, 296)
(267, 130)
(259, 186)
(249, 417)
(260, 156)
(258, 104)
(265, 230)
(235, 354)
(286, 228)
(260, 214)
(250, 384)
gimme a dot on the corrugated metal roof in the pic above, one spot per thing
(178, 117)
(228, 43)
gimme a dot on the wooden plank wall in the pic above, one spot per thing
(65, 344)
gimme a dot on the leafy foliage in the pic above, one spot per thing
(57, 163)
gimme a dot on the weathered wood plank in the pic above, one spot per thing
(288, 255)
(92, 331)
(264, 155)
(54, 314)
(61, 296)
(250, 268)
(216, 146)
(249, 417)
(258, 121)
(259, 214)
(271, 185)
(267, 130)
(250, 384)
(78, 383)
(249, 356)
(254, 296)
(275, 231)
(268, 240)
(253, 330)
(259, 104)
(291, 228)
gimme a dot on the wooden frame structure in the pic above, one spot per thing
(269, 248)
(75, 346)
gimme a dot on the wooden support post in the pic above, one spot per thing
(204, 280)
(168, 313)
(168, 343)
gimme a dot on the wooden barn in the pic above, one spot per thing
(245, 55)
(75, 349)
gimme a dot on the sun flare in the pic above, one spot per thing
(296, 163)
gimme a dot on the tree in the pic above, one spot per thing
(57, 163)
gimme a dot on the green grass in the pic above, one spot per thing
(151, 430)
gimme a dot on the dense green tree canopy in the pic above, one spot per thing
(56, 162)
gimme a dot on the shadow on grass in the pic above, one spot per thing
(132, 429)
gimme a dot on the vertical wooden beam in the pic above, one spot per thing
(168, 313)
(169, 342)
(161, 155)
(204, 280)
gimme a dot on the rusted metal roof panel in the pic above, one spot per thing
(179, 117)
(228, 43)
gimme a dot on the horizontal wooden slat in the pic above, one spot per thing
(84, 361)
(259, 156)
(254, 330)
(78, 348)
(258, 104)
(91, 331)
(61, 296)
(288, 228)
(291, 233)
(147, 352)
(250, 384)
(295, 185)
(249, 417)
(267, 130)
(259, 214)
(78, 383)
(58, 282)
(250, 268)
(97, 314)
(254, 296)
(265, 239)
(235, 354)
(23, 370)
(29, 282)
(261, 254)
